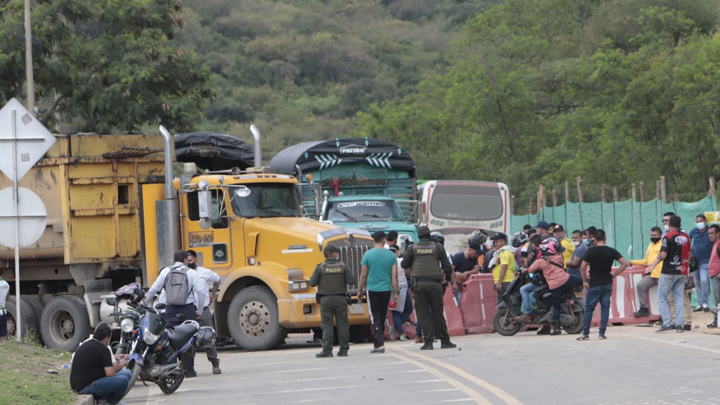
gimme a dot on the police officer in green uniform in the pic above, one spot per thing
(333, 276)
(424, 260)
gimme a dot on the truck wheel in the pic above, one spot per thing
(65, 323)
(253, 319)
(29, 321)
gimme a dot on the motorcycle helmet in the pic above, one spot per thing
(437, 237)
(549, 247)
(205, 337)
(130, 292)
(476, 242)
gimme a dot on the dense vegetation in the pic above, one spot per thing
(521, 91)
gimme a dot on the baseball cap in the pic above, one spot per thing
(423, 230)
(543, 225)
(330, 249)
(499, 236)
(559, 227)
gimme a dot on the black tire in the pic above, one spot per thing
(65, 323)
(37, 307)
(504, 323)
(577, 324)
(30, 322)
(253, 319)
(133, 378)
(171, 383)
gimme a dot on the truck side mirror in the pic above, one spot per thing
(204, 208)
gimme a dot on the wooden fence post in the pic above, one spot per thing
(567, 192)
(657, 189)
(711, 192)
(642, 191)
(602, 193)
(555, 198)
(530, 206)
(579, 189)
(676, 197)
(512, 205)
(540, 198)
(663, 191)
(615, 194)
(634, 193)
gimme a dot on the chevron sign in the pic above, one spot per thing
(380, 159)
(327, 161)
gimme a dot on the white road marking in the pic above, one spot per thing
(458, 400)
(302, 369)
(316, 389)
(685, 345)
(313, 379)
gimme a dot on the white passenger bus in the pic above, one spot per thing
(456, 208)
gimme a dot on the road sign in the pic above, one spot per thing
(32, 218)
(33, 140)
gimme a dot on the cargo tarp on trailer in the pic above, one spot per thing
(319, 155)
(213, 151)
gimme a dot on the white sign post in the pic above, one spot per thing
(27, 144)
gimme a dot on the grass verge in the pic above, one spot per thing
(25, 379)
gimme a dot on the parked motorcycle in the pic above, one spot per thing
(571, 309)
(129, 319)
(157, 349)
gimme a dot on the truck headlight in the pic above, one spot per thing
(127, 325)
(298, 285)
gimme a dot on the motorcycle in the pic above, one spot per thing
(571, 309)
(133, 313)
(157, 349)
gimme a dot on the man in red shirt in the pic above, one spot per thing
(714, 268)
(675, 254)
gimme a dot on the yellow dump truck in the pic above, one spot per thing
(116, 215)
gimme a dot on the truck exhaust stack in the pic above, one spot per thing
(257, 145)
(167, 211)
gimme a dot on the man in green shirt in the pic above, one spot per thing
(379, 273)
(332, 277)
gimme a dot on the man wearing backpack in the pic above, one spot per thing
(184, 294)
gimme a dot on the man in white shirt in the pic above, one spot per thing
(192, 309)
(207, 276)
(4, 289)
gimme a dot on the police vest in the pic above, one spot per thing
(332, 278)
(425, 261)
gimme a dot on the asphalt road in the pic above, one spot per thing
(633, 366)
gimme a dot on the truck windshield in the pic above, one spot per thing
(265, 200)
(466, 202)
(363, 211)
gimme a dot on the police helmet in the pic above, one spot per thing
(476, 242)
(437, 237)
(205, 337)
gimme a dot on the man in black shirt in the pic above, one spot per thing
(93, 371)
(600, 258)
(675, 254)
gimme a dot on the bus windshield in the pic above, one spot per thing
(265, 200)
(363, 211)
(466, 202)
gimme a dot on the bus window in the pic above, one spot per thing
(466, 202)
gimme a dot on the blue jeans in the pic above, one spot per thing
(189, 311)
(674, 284)
(526, 292)
(702, 284)
(400, 317)
(601, 293)
(110, 389)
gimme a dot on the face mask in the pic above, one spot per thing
(586, 242)
(700, 225)
(576, 243)
(192, 266)
(667, 227)
(655, 240)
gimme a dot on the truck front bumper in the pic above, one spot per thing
(302, 311)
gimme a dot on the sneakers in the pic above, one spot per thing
(376, 350)
(705, 308)
(216, 368)
(712, 325)
(447, 345)
(642, 312)
(427, 346)
(698, 308)
(665, 329)
(403, 337)
(419, 339)
(323, 354)
(524, 318)
(686, 327)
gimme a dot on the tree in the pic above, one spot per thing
(105, 65)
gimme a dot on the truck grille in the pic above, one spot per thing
(352, 256)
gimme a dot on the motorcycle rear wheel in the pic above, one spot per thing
(135, 373)
(171, 383)
(577, 324)
(504, 323)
